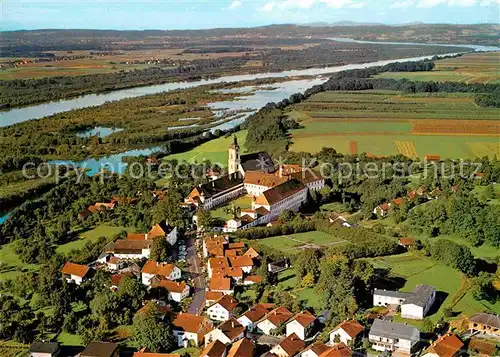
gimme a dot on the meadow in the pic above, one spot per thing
(390, 123)
(452, 286)
(471, 68)
(291, 243)
(214, 151)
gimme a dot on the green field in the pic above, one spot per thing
(243, 202)
(472, 68)
(416, 269)
(389, 123)
(215, 150)
(11, 264)
(288, 281)
(291, 242)
(93, 235)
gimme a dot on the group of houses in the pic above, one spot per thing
(272, 188)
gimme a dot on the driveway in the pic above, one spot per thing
(196, 272)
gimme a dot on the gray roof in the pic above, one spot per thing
(392, 293)
(259, 161)
(394, 330)
(99, 349)
(486, 319)
(44, 347)
(420, 295)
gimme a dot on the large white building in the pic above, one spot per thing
(273, 188)
(414, 305)
(390, 336)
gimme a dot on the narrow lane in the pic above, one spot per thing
(196, 272)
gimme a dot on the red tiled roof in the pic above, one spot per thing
(156, 268)
(317, 347)
(214, 349)
(231, 328)
(292, 344)
(280, 192)
(252, 253)
(151, 354)
(258, 311)
(75, 269)
(263, 179)
(213, 295)
(304, 318)
(220, 284)
(407, 241)
(220, 262)
(190, 323)
(351, 327)
(236, 245)
(339, 350)
(227, 302)
(241, 261)
(446, 346)
(172, 286)
(254, 278)
(116, 278)
(113, 260)
(136, 236)
(278, 315)
(242, 348)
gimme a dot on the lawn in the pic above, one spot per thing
(192, 351)
(243, 202)
(288, 281)
(94, 234)
(14, 266)
(451, 285)
(215, 150)
(68, 339)
(447, 124)
(291, 242)
(471, 68)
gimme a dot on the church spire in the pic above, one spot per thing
(233, 161)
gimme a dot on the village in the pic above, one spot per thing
(197, 287)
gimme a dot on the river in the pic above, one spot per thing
(248, 103)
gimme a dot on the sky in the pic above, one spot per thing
(198, 14)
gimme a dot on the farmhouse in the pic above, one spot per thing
(189, 327)
(75, 273)
(414, 305)
(227, 332)
(346, 332)
(448, 345)
(223, 309)
(289, 347)
(161, 271)
(301, 325)
(407, 242)
(484, 323)
(394, 337)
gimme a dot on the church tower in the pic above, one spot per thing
(233, 162)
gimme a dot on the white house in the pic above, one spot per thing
(163, 271)
(250, 318)
(221, 285)
(417, 305)
(244, 262)
(290, 346)
(163, 229)
(301, 325)
(273, 319)
(390, 336)
(75, 273)
(115, 263)
(189, 328)
(227, 332)
(414, 305)
(346, 332)
(223, 309)
(177, 291)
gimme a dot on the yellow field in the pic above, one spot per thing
(481, 149)
(406, 148)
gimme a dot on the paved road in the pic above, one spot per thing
(199, 282)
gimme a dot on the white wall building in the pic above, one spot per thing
(222, 310)
(390, 336)
(414, 305)
(160, 270)
(301, 324)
